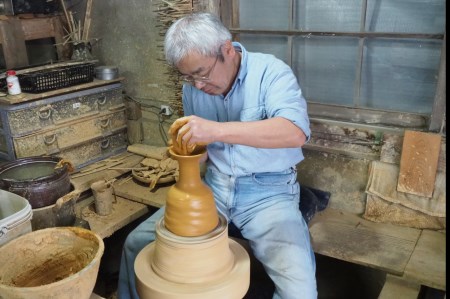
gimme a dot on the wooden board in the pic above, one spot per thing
(418, 164)
(138, 192)
(399, 288)
(26, 97)
(109, 168)
(348, 237)
(124, 211)
(428, 261)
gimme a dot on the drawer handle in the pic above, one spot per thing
(104, 144)
(45, 112)
(50, 139)
(101, 100)
(105, 123)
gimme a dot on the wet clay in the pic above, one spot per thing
(58, 262)
(190, 207)
(103, 197)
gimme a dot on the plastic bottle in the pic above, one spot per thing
(13, 83)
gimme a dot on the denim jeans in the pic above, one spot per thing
(265, 207)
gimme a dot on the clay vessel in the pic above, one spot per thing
(58, 262)
(190, 207)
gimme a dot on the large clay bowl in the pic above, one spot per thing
(52, 263)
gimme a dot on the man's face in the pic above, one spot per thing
(212, 75)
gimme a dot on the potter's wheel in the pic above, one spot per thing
(235, 282)
(203, 267)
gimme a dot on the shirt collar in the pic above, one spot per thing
(244, 57)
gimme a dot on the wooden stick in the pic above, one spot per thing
(87, 20)
(67, 15)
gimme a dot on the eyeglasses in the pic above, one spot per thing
(205, 78)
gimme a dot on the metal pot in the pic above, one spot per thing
(36, 179)
(106, 72)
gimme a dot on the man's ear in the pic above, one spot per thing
(228, 48)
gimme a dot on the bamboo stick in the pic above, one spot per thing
(67, 15)
(87, 20)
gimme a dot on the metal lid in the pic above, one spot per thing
(106, 69)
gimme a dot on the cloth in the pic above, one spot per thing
(382, 182)
(265, 87)
(265, 208)
(380, 210)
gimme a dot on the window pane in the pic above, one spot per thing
(263, 14)
(406, 16)
(400, 74)
(276, 45)
(325, 67)
(326, 15)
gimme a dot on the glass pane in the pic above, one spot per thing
(406, 16)
(325, 68)
(400, 74)
(326, 15)
(276, 45)
(263, 14)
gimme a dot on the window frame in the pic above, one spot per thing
(435, 122)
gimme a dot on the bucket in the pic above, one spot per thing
(15, 216)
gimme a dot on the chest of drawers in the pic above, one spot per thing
(83, 126)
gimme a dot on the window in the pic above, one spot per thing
(367, 61)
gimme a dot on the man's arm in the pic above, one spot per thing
(276, 132)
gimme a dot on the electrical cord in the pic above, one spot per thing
(161, 118)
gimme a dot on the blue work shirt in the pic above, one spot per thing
(265, 87)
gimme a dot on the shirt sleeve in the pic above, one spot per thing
(284, 98)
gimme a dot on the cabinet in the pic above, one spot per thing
(82, 126)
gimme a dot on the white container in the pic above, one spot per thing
(13, 83)
(15, 216)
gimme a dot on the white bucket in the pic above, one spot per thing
(15, 216)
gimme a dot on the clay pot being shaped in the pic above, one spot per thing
(190, 207)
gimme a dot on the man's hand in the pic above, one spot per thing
(183, 133)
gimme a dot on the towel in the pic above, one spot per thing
(382, 182)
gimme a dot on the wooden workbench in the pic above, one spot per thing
(124, 210)
(411, 257)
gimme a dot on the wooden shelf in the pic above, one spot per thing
(14, 31)
(26, 97)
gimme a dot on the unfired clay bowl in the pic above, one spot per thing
(59, 263)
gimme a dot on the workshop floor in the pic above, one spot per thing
(336, 279)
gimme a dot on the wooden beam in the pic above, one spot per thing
(12, 39)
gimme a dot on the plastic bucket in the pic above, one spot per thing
(15, 216)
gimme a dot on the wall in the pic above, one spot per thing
(128, 37)
(124, 34)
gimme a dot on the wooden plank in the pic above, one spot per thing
(26, 97)
(418, 164)
(126, 161)
(123, 212)
(13, 43)
(140, 193)
(428, 261)
(348, 237)
(399, 288)
(37, 28)
(87, 21)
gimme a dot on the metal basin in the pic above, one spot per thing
(36, 179)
